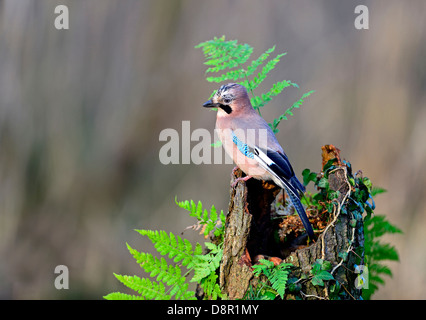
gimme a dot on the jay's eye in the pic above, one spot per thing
(227, 100)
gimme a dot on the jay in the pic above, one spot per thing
(250, 142)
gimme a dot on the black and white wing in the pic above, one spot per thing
(278, 165)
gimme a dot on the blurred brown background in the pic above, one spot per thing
(81, 111)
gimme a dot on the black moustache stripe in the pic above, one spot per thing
(226, 108)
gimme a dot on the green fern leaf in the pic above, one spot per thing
(195, 210)
(383, 251)
(168, 244)
(289, 112)
(276, 275)
(263, 267)
(221, 54)
(377, 226)
(279, 278)
(164, 273)
(205, 270)
(122, 296)
(377, 190)
(277, 88)
(230, 75)
(376, 251)
(146, 288)
(205, 217)
(207, 263)
(251, 69)
(378, 268)
(242, 73)
(210, 286)
(269, 66)
(213, 214)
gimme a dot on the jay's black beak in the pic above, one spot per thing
(210, 104)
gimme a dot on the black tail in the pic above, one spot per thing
(302, 214)
(277, 164)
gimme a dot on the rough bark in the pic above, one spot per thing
(251, 233)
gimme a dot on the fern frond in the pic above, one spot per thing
(221, 54)
(378, 268)
(207, 263)
(164, 273)
(243, 73)
(230, 75)
(375, 251)
(210, 286)
(262, 267)
(146, 288)
(122, 296)
(210, 219)
(155, 266)
(205, 270)
(279, 278)
(377, 190)
(195, 210)
(276, 275)
(178, 249)
(251, 69)
(261, 76)
(382, 251)
(289, 112)
(260, 101)
(377, 226)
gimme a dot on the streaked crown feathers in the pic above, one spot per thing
(229, 92)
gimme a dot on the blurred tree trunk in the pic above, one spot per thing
(251, 233)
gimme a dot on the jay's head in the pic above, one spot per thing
(231, 98)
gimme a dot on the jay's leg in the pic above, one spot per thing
(240, 179)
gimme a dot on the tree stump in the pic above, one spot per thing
(252, 233)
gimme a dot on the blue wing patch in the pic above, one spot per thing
(243, 147)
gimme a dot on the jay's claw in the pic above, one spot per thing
(240, 179)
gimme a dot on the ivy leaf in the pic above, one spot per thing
(367, 182)
(316, 267)
(320, 277)
(329, 166)
(343, 255)
(293, 285)
(308, 176)
(326, 265)
(323, 183)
